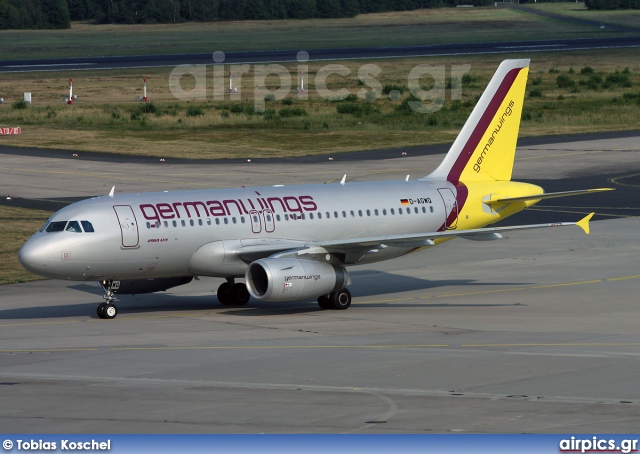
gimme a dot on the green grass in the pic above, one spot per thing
(561, 99)
(432, 26)
(626, 18)
(18, 224)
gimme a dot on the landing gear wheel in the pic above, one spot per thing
(324, 303)
(110, 311)
(341, 299)
(101, 310)
(224, 294)
(239, 294)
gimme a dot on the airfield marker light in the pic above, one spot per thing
(70, 101)
(161, 159)
(144, 95)
(75, 155)
(330, 158)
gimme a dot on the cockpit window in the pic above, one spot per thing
(88, 227)
(73, 226)
(43, 228)
(57, 226)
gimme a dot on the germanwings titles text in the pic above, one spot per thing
(227, 207)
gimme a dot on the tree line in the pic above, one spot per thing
(612, 4)
(18, 14)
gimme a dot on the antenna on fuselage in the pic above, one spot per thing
(344, 179)
(113, 191)
(407, 179)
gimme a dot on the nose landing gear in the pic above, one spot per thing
(108, 310)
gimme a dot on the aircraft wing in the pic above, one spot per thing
(286, 248)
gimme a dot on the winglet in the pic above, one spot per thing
(112, 192)
(584, 223)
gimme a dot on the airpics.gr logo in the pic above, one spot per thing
(501, 120)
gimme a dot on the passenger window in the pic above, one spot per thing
(335, 214)
(74, 226)
(226, 221)
(310, 215)
(328, 215)
(353, 215)
(87, 226)
(233, 219)
(319, 215)
(56, 226)
(286, 217)
(217, 221)
(384, 211)
(415, 210)
(208, 221)
(408, 210)
(191, 223)
(431, 209)
(375, 212)
(424, 210)
(360, 213)
(175, 223)
(368, 212)
(242, 219)
(277, 217)
(344, 214)
(199, 221)
(268, 218)
(166, 224)
(184, 224)
(393, 212)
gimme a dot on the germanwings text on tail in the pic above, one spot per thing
(293, 243)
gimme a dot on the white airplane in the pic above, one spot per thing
(293, 242)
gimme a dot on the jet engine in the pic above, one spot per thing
(288, 279)
(139, 286)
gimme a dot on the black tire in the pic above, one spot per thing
(110, 311)
(239, 295)
(324, 302)
(224, 294)
(100, 310)
(340, 300)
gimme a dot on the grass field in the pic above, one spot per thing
(430, 26)
(107, 117)
(18, 224)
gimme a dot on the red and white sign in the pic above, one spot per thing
(9, 131)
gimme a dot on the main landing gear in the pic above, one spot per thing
(339, 300)
(231, 293)
(108, 310)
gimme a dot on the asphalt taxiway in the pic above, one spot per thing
(538, 332)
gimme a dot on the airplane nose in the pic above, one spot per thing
(32, 258)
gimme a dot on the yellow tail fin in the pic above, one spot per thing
(486, 146)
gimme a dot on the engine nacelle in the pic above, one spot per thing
(286, 279)
(139, 286)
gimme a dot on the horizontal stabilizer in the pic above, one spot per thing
(549, 195)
